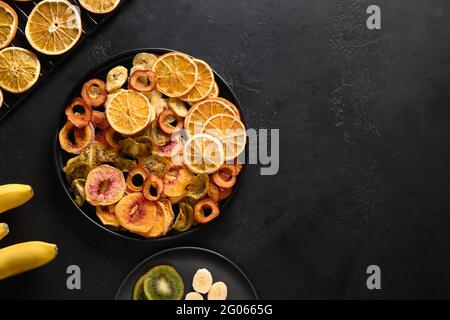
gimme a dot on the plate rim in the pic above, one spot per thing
(56, 149)
(210, 251)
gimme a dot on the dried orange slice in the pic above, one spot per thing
(230, 104)
(99, 6)
(53, 27)
(230, 131)
(8, 24)
(215, 91)
(202, 111)
(177, 74)
(129, 112)
(19, 69)
(204, 84)
(203, 153)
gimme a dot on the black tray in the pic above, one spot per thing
(187, 260)
(90, 23)
(61, 157)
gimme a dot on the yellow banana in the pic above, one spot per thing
(14, 195)
(4, 230)
(24, 257)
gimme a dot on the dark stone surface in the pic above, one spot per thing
(364, 175)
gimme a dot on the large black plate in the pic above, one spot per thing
(61, 156)
(187, 260)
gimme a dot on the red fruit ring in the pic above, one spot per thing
(153, 188)
(136, 178)
(94, 92)
(201, 214)
(226, 176)
(82, 137)
(99, 120)
(110, 137)
(79, 113)
(143, 80)
(170, 122)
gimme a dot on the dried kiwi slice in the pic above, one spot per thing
(197, 187)
(185, 218)
(155, 164)
(163, 283)
(134, 149)
(138, 291)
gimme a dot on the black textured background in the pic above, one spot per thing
(364, 118)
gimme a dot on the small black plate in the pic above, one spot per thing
(187, 260)
(61, 157)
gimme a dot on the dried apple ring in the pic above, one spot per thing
(224, 193)
(214, 192)
(74, 140)
(153, 188)
(136, 178)
(169, 122)
(94, 92)
(206, 210)
(143, 80)
(79, 113)
(99, 120)
(111, 138)
(225, 177)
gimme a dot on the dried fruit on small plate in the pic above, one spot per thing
(163, 283)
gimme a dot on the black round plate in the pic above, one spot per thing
(61, 157)
(187, 260)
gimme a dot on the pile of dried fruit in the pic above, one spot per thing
(167, 143)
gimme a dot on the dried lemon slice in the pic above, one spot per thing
(129, 112)
(203, 153)
(53, 27)
(204, 84)
(177, 74)
(230, 131)
(99, 6)
(8, 24)
(202, 111)
(19, 69)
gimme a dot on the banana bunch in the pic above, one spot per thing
(25, 256)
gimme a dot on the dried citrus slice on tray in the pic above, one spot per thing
(204, 84)
(19, 69)
(129, 112)
(202, 111)
(99, 6)
(177, 74)
(53, 27)
(8, 24)
(203, 153)
(230, 131)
